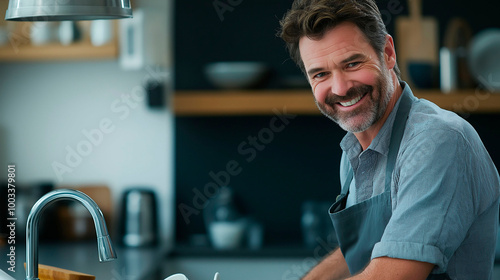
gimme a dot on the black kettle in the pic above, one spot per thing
(139, 221)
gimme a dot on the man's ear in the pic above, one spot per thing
(389, 52)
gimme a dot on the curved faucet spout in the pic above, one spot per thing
(105, 249)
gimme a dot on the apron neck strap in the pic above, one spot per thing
(398, 129)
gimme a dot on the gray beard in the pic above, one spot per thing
(385, 90)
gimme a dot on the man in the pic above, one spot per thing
(420, 194)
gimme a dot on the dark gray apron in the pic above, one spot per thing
(362, 225)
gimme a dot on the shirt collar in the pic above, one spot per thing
(380, 144)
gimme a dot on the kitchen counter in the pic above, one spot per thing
(132, 263)
(277, 251)
(153, 263)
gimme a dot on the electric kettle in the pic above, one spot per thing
(139, 225)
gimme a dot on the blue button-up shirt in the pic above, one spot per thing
(445, 191)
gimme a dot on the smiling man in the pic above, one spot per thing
(345, 64)
(420, 193)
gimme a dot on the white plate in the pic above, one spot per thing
(484, 58)
(178, 276)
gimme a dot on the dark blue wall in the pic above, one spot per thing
(300, 162)
(247, 32)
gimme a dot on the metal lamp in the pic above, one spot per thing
(59, 10)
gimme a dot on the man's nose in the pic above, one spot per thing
(340, 84)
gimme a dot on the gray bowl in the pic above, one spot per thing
(236, 75)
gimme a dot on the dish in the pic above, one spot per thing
(236, 75)
(178, 276)
(484, 58)
(226, 235)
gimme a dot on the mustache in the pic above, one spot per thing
(353, 92)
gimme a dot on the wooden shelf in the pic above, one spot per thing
(54, 51)
(243, 102)
(265, 102)
(20, 48)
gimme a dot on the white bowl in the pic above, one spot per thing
(484, 58)
(226, 235)
(235, 75)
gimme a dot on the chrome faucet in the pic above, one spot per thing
(105, 249)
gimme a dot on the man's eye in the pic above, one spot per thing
(320, 75)
(353, 64)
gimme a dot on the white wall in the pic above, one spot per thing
(49, 109)
(46, 107)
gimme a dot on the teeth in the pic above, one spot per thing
(351, 102)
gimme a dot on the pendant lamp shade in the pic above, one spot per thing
(59, 10)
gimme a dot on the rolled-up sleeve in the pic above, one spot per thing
(433, 199)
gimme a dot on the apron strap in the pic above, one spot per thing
(347, 181)
(396, 137)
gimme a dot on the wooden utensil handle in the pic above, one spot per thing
(415, 7)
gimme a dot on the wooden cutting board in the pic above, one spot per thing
(417, 38)
(46, 272)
